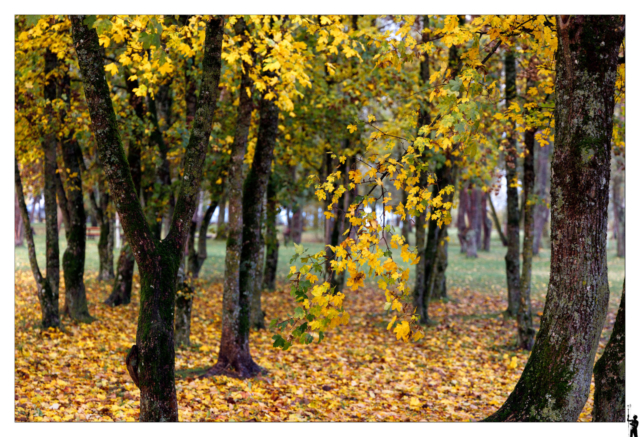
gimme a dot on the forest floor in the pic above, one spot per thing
(462, 371)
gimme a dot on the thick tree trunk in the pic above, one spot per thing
(257, 315)
(151, 361)
(554, 385)
(541, 211)
(526, 333)
(234, 357)
(272, 243)
(512, 258)
(609, 374)
(47, 292)
(19, 225)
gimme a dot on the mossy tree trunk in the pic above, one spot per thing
(609, 374)
(272, 243)
(47, 290)
(526, 333)
(512, 258)
(554, 385)
(234, 357)
(151, 361)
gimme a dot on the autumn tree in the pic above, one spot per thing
(151, 360)
(554, 385)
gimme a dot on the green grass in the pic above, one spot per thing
(485, 273)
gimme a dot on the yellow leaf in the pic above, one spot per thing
(111, 68)
(352, 128)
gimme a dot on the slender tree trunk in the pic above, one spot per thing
(234, 357)
(618, 211)
(463, 206)
(197, 258)
(19, 225)
(526, 333)
(221, 228)
(257, 315)
(554, 385)
(107, 238)
(272, 243)
(541, 211)
(609, 374)
(151, 361)
(512, 258)
(486, 223)
(47, 292)
(123, 282)
(473, 213)
(503, 239)
(75, 303)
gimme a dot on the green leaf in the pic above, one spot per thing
(32, 20)
(299, 248)
(89, 20)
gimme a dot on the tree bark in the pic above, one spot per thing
(107, 234)
(151, 361)
(221, 228)
(47, 292)
(526, 333)
(272, 243)
(554, 385)
(512, 258)
(234, 357)
(609, 374)
(541, 211)
(123, 282)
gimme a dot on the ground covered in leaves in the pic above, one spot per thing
(462, 371)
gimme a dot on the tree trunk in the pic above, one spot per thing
(221, 228)
(554, 385)
(234, 357)
(526, 333)
(463, 206)
(609, 374)
(107, 238)
(19, 225)
(272, 243)
(47, 292)
(503, 239)
(197, 258)
(486, 223)
(257, 315)
(75, 303)
(618, 211)
(151, 361)
(123, 282)
(541, 211)
(512, 258)
(473, 213)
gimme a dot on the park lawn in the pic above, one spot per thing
(462, 370)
